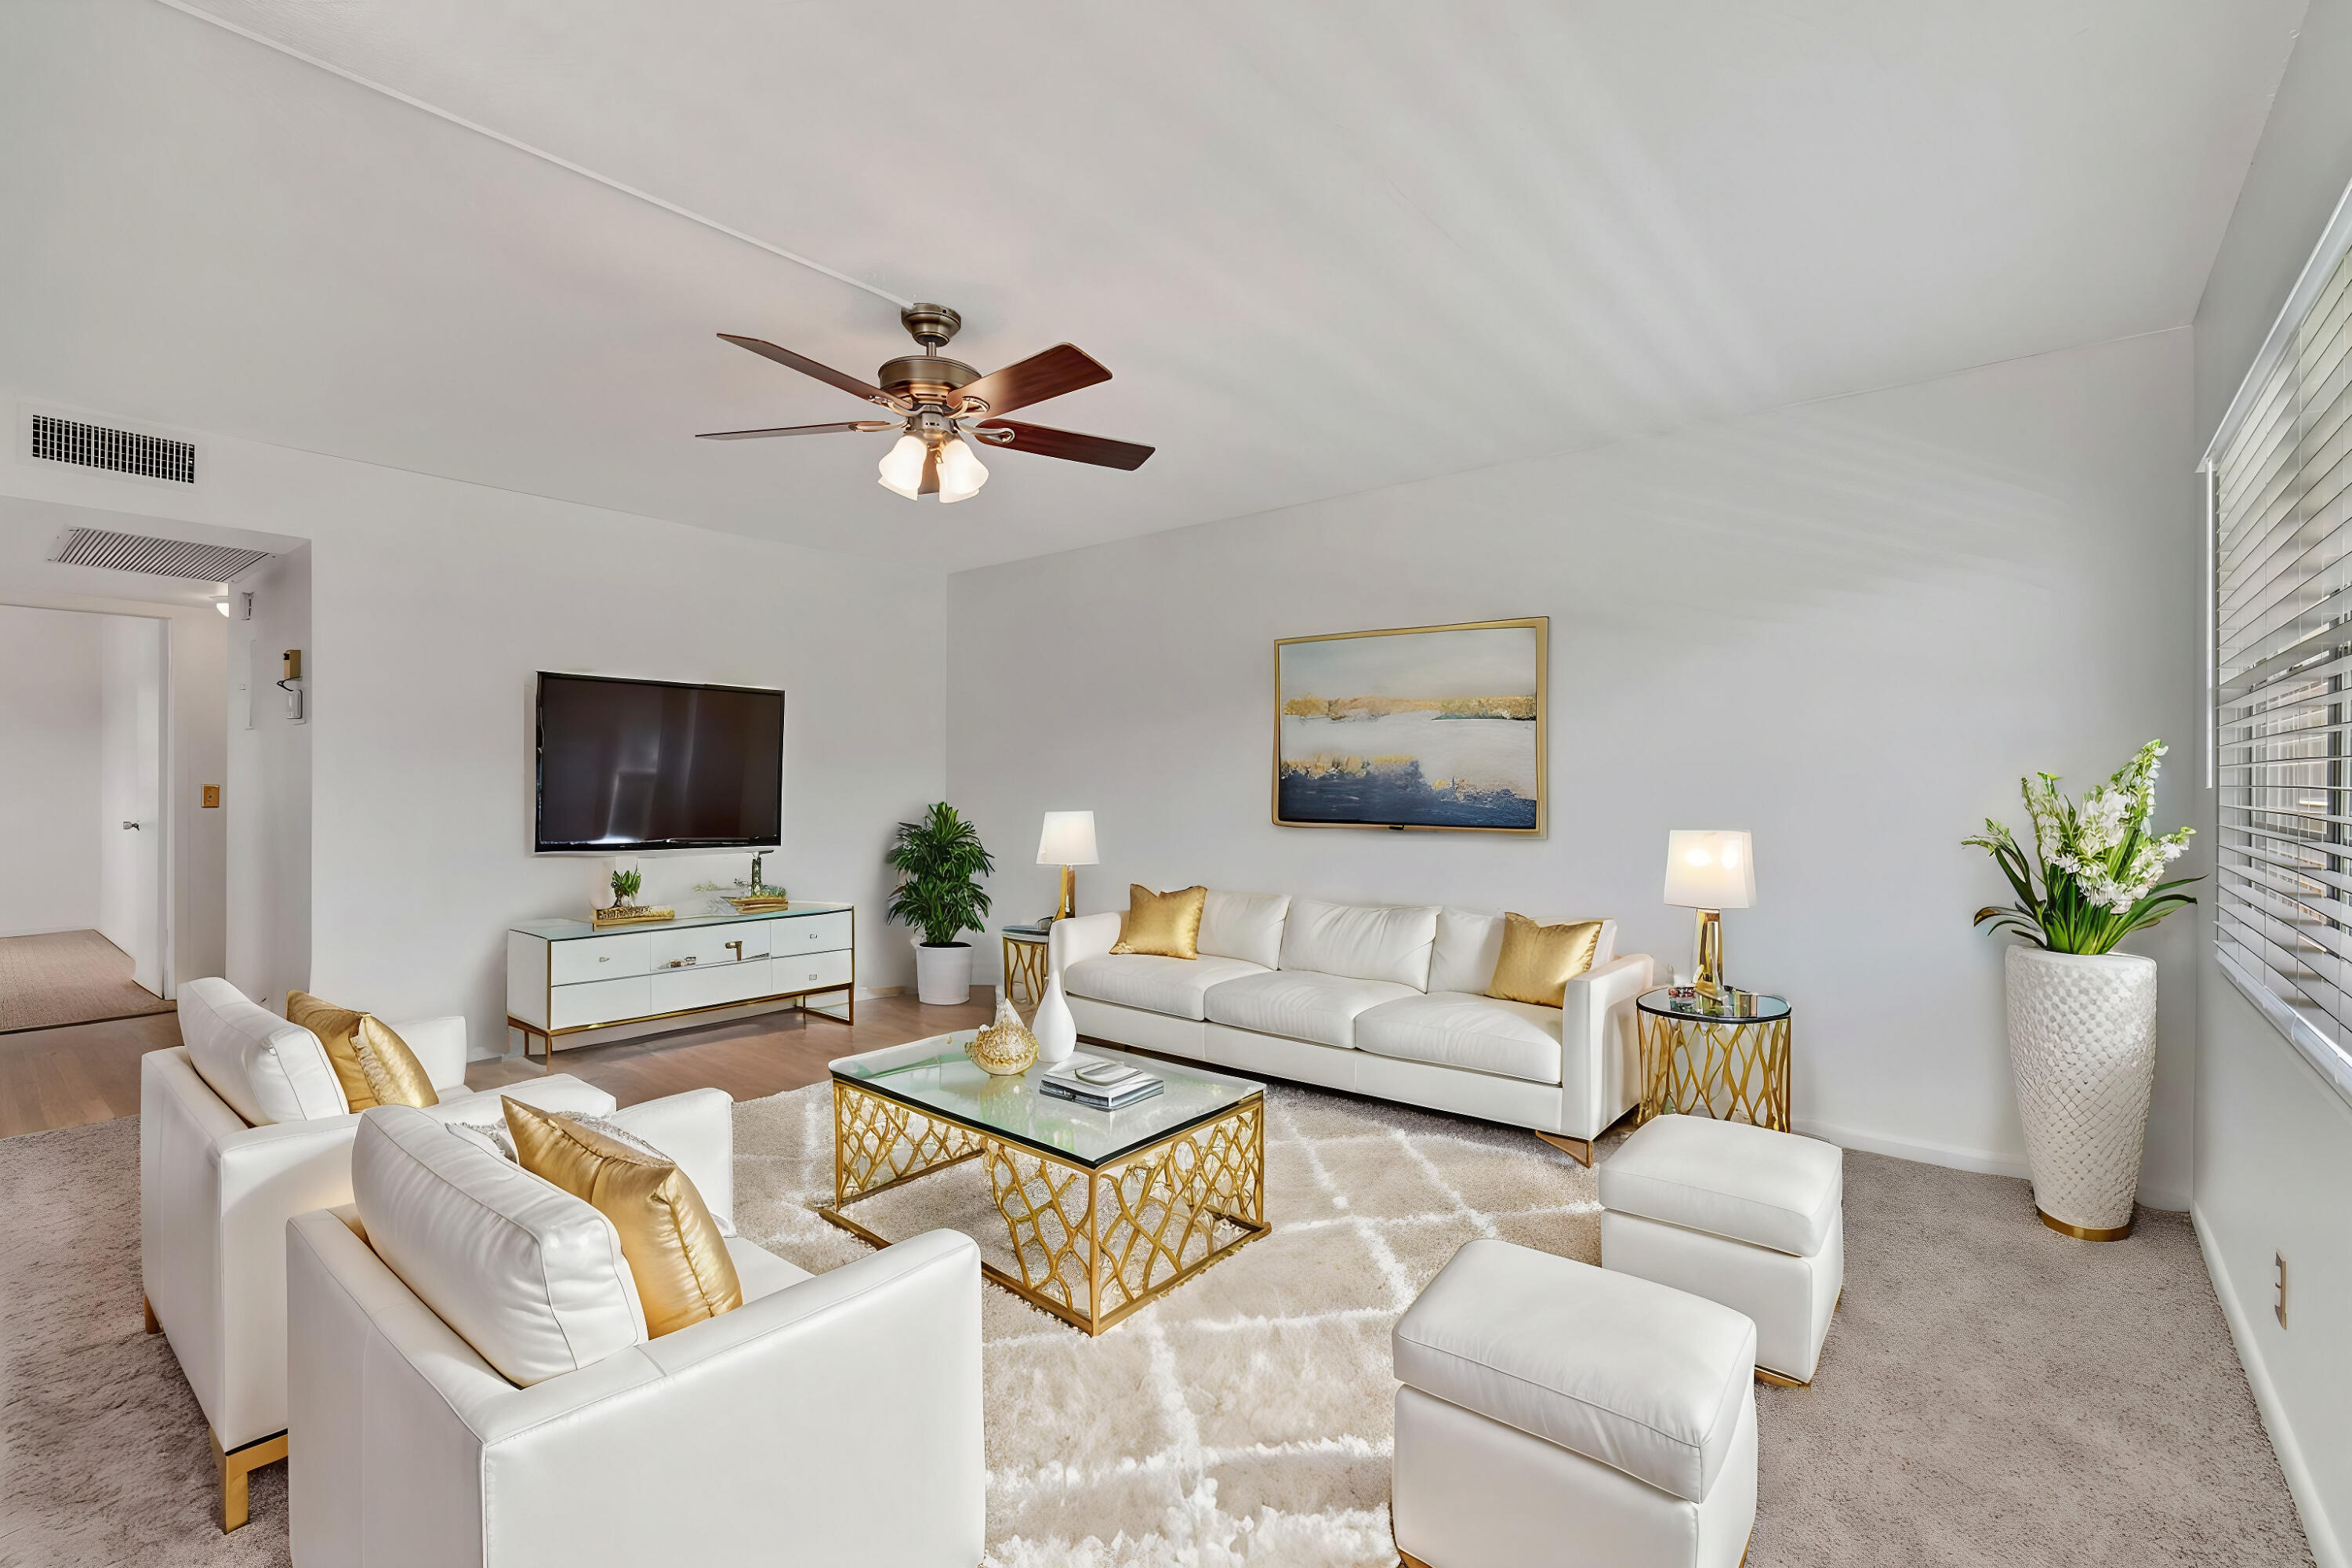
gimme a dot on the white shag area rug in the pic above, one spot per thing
(1245, 1417)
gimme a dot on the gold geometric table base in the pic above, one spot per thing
(1735, 1069)
(1092, 1245)
(1024, 971)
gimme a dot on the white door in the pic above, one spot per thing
(131, 794)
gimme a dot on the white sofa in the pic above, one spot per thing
(241, 1128)
(472, 1383)
(1380, 1000)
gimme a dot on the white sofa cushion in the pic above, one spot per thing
(1361, 941)
(1177, 986)
(1300, 1004)
(1638, 1376)
(1459, 1029)
(530, 1276)
(1469, 942)
(1246, 926)
(263, 1068)
(761, 1271)
(1729, 1179)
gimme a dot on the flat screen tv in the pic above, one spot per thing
(629, 765)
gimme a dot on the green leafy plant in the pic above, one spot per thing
(2097, 863)
(626, 885)
(939, 862)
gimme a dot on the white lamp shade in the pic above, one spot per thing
(902, 466)
(1710, 868)
(961, 473)
(1068, 839)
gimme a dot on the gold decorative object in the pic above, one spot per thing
(631, 915)
(1539, 961)
(1093, 1245)
(1025, 969)
(1005, 1047)
(754, 903)
(1729, 1068)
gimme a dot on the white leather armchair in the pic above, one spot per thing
(215, 1192)
(829, 1420)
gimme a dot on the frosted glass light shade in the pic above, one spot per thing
(1709, 869)
(902, 466)
(1068, 839)
(961, 473)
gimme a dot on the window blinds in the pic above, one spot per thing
(2282, 503)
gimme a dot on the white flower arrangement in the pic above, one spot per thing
(2099, 866)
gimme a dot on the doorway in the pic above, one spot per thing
(85, 927)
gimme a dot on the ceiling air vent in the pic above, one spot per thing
(117, 451)
(160, 557)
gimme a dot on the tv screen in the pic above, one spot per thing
(652, 765)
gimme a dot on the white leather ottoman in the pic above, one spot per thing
(1556, 1414)
(1741, 1214)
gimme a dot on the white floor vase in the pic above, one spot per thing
(2082, 1041)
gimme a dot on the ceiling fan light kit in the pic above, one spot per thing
(939, 401)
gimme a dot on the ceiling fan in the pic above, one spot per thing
(935, 403)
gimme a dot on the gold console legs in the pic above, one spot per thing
(235, 1465)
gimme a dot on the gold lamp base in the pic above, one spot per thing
(1069, 893)
(1706, 978)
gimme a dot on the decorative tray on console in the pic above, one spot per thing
(630, 915)
(753, 903)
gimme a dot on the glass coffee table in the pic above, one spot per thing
(1108, 1210)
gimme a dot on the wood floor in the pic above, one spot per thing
(90, 1072)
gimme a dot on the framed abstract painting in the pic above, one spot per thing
(1428, 727)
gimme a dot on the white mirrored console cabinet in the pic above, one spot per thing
(567, 976)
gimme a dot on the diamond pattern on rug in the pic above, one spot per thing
(1246, 1417)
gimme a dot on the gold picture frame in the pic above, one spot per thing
(1392, 791)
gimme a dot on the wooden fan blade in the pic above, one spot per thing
(1048, 442)
(868, 425)
(930, 485)
(823, 372)
(1063, 368)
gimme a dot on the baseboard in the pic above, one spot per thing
(1918, 1151)
(2326, 1550)
(49, 931)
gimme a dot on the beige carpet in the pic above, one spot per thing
(67, 977)
(1992, 1393)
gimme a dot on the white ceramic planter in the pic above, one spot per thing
(2081, 1042)
(943, 974)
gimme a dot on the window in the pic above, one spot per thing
(2280, 477)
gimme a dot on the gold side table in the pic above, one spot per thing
(1699, 1059)
(1024, 967)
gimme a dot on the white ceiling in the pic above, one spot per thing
(1326, 246)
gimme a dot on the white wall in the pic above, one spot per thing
(2273, 1140)
(269, 794)
(1848, 628)
(129, 789)
(432, 605)
(50, 699)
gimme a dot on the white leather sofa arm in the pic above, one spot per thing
(835, 1420)
(439, 1045)
(1081, 937)
(696, 1128)
(1601, 1041)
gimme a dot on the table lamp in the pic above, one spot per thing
(1068, 842)
(1710, 870)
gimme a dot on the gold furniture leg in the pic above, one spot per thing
(235, 1465)
(148, 1307)
(1577, 1149)
(1733, 1069)
(1410, 1559)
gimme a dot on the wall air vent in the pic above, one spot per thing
(117, 451)
(159, 557)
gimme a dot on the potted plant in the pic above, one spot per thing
(939, 862)
(2082, 1016)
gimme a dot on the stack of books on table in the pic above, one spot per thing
(1098, 1081)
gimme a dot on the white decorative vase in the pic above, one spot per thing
(2081, 1042)
(1056, 1031)
(943, 974)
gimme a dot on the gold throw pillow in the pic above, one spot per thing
(675, 1251)
(1166, 925)
(338, 1029)
(1539, 961)
(395, 1075)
